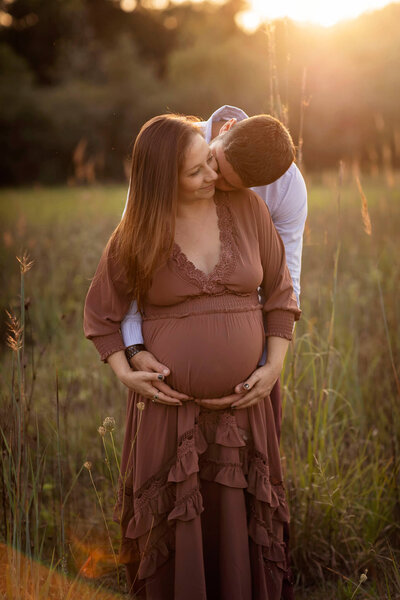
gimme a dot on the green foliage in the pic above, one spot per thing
(86, 70)
(220, 73)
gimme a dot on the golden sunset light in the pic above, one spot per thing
(200, 352)
(311, 11)
(308, 11)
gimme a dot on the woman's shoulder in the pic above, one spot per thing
(244, 202)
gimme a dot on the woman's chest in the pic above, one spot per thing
(227, 262)
(200, 243)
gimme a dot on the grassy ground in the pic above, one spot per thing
(341, 400)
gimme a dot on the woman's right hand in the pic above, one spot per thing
(146, 361)
(143, 383)
(146, 381)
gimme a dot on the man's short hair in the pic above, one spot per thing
(260, 149)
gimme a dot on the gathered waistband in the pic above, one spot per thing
(204, 305)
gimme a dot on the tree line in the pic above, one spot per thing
(79, 77)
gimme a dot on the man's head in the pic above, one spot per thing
(252, 152)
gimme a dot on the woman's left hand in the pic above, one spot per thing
(257, 387)
(260, 383)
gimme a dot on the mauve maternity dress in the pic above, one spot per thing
(202, 504)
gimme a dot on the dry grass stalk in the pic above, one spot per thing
(364, 208)
(275, 103)
(304, 103)
(85, 168)
(25, 263)
(14, 336)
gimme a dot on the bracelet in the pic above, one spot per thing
(130, 351)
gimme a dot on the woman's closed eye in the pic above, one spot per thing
(197, 171)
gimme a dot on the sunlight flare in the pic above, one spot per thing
(312, 11)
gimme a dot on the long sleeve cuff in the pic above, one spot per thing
(279, 323)
(108, 344)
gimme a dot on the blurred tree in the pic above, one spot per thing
(73, 70)
(23, 124)
(36, 31)
(152, 39)
(223, 73)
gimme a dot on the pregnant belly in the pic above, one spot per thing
(207, 354)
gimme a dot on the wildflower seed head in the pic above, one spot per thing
(24, 263)
(140, 405)
(87, 465)
(363, 576)
(109, 423)
(14, 337)
(102, 431)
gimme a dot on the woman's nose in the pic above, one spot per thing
(212, 175)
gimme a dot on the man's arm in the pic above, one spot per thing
(131, 326)
(288, 208)
(131, 329)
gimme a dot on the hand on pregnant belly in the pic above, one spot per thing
(220, 403)
(207, 355)
(258, 386)
(147, 362)
(248, 393)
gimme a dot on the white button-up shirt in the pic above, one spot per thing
(286, 199)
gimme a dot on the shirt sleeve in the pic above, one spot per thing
(289, 218)
(280, 305)
(131, 326)
(107, 302)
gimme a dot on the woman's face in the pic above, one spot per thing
(198, 173)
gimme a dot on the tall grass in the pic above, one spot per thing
(341, 400)
(44, 518)
(342, 413)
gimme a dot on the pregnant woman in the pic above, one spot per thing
(201, 504)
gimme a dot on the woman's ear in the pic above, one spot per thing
(226, 126)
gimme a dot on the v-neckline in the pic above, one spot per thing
(177, 250)
(228, 253)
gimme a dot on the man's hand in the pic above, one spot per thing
(257, 387)
(146, 361)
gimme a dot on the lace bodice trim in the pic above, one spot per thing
(209, 283)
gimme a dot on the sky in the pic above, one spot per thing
(319, 12)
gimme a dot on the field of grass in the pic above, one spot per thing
(341, 431)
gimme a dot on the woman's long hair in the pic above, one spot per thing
(143, 240)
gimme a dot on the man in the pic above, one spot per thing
(252, 152)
